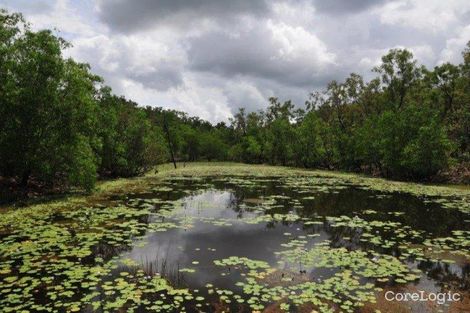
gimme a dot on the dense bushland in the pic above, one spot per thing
(60, 125)
(408, 122)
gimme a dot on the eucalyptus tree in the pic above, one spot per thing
(47, 107)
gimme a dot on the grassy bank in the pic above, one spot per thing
(200, 169)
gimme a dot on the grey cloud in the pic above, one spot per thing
(129, 16)
(117, 60)
(345, 6)
(249, 97)
(240, 61)
(165, 76)
(26, 6)
(255, 53)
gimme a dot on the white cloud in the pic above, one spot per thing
(241, 93)
(156, 64)
(428, 15)
(63, 16)
(297, 43)
(207, 60)
(454, 46)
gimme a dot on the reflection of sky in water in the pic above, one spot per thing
(177, 247)
(211, 203)
(205, 242)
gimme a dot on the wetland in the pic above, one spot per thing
(239, 238)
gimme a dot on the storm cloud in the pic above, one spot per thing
(210, 57)
(345, 6)
(131, 16)
(285, 54)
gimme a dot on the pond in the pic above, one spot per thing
(239, 244)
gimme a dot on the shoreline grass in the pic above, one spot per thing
(105, 188)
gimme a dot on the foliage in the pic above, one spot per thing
(309, 146)
(88, 253)
(131, 144)
(407, 123)
(47, 107)
(62, 126)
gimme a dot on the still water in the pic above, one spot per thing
(240, 244)
(221, 211)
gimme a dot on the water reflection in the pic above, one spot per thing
(198, 246)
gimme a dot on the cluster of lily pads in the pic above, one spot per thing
(345, 289)
(65, 262)
(342, 291)
(54, 260)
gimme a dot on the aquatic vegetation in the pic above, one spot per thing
(369, 264)
(343, 288)
(275, 237)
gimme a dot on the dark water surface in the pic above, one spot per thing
(304, 234)
(221, 199)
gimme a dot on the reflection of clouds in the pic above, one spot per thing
(177, 247)
(441, 271)
(259, 241)
(161, 246)
(212, 203)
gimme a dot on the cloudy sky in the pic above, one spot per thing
(210, 57)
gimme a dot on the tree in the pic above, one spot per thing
(253, 152)
(131, 143)
(443, 86)
(399, 73)
(277, 110)
(212, 147)
(191, 143)
(412, 143)
(279, 139)
(427, 152)
(309, 148)
(47, 108)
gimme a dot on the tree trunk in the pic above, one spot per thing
(170, 146)
(25, 178)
